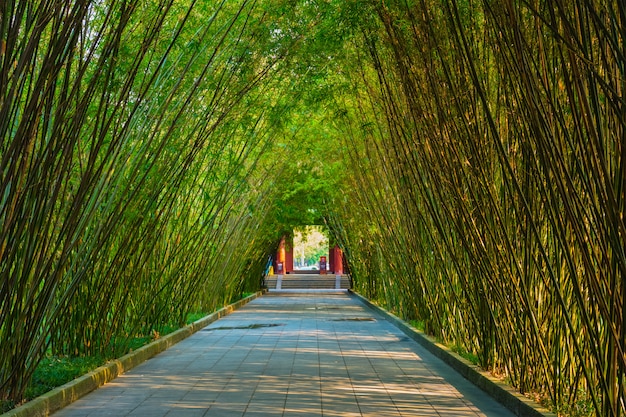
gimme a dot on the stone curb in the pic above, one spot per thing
(504, 394)
(64, 395)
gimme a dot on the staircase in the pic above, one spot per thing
(307, 282)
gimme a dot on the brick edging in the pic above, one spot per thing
(64, 395)
(504, 394)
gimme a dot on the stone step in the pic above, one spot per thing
(306, 282)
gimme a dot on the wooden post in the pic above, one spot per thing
(335, 255)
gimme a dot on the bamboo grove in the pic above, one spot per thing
(486, 147)
(467, 155)
(133, 181)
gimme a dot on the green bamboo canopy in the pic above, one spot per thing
(467, 155)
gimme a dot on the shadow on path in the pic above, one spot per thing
(290, 354)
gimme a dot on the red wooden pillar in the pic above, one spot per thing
(283, 262)
(335, 255)
(288, 254)
(279, 259)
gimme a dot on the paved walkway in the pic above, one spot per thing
(314, 354)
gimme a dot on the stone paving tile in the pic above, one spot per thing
(291, 354)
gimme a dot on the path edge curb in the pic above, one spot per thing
(501, 392)
(64, 395)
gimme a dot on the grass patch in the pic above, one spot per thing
(465, 354)
(54, 371)
(237, 297)
(193, 317)
(418, 324)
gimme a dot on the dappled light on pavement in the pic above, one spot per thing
(292, 355)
